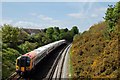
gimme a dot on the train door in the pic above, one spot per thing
(24, 64)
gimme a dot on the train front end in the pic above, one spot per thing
(23, 65)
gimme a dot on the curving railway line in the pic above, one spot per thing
(57, 69)
(47, 68)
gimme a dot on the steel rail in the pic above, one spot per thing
(61, 63)
(52, 70)
(14, 76)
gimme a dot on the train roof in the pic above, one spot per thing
(31, 54)
(41, 49)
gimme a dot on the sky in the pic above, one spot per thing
(40, 15)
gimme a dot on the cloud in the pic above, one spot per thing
(98, 12)
(55, 21)
(48, 19)
(26, 24)
(4, 21)
(101, 9)
(89, 12)
(76, 15)
(43, 17)
(33, 14)
(94, 15)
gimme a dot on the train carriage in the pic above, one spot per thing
(28, 61)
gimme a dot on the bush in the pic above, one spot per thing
(27, 47)
(9, 56)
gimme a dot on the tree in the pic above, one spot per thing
(24, 36)
(56, 36)
(56, 33)
(10, 34)
(56, 29)
(116, 12)
(49, 33)
(46, 40)
(68, 36)
(44, 30)
(62, 34)
(49, 30)
(74, 30)
(38, 38)
(112, 15)
(65, 29)
(27, 47)
(109, 16)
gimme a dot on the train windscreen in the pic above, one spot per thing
(23, 61)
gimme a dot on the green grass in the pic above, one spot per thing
(70, 67)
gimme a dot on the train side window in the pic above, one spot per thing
(28, 62)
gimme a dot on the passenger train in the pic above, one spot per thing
(26, 62)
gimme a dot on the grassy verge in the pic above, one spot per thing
(70, 66)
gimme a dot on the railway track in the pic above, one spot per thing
(53, 72)
(56, 70)
(14, 76)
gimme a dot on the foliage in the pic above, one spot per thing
(26, 47)
(94, 56)
(24, 37)
(112, 15)
(9, 56)
(74, 30)
(10, 34)
(49, 33)
(56, 33)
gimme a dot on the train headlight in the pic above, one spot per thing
(17, 68)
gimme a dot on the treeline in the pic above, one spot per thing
(16, 38)
(16, 41)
